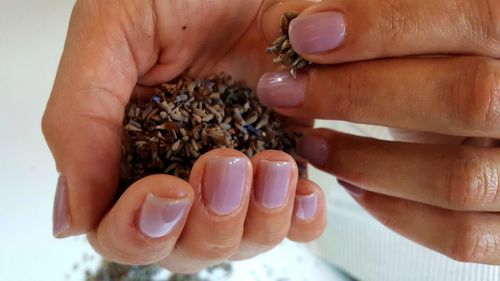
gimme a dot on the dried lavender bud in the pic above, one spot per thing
(187, 118)
(283, 50)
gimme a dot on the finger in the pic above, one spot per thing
(271, 204)
(335, 31)
(463, 236)
(456, 96)
(82, 121)
(144, 225)
(449, 176)
(309, 212)
(222, 180)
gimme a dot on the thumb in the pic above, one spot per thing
(271, 12)
(82, 121)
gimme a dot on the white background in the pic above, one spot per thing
(31, 40)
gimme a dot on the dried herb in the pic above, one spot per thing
(110, 271)
(282, 48)
(187, 118)
(181, 121)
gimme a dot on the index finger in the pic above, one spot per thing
(336, 31)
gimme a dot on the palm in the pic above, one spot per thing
(212, 37)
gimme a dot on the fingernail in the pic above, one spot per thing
(317, 33)
(313, 148)
(160, 215)
(353, 190)
(273, 180)
(61, 218)
(305, 206)
(224, 184)
(279, 89)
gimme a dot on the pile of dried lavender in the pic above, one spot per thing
(282, 48)
(187, 118)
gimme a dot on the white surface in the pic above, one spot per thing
(31, 39)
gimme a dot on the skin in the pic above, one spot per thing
(435, 78)
(118, 48)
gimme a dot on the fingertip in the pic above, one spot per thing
(147, 220)
(309, 213)
(275, 180)
(222, 179)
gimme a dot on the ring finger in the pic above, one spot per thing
(335, 31)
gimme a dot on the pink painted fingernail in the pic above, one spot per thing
(305, 206)
(160, 215)
(279, 89)
(313, 148)
(224, 184)
(317, 33)
(61, 217)
(353, 190)
(273, 180)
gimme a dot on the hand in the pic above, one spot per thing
(233, 207)
(428, 66)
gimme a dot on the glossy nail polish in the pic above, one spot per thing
(224, 184)
(61, 217)
(306, 206)
(159, 216)
(279, 89)
(273, 181)
(316, 33)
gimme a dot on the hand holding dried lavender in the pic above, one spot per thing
(231, 199)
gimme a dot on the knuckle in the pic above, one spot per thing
(490, 23)
(270, 238)
(46, 124)
(480, 21)
(212, 250)
(473, 182)
(473, 244)
(397, 22)
(479, 106)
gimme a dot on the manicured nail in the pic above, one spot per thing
(317, 33)
(279, 89)
(160, 215)
(305, 206)
(224, 184)
(273, 180)
(353, 190)
(61, 218)
(313, 148)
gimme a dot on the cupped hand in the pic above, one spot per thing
(426, 66)
(232, 207)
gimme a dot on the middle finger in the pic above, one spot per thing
(455, 96)
(453, 177)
